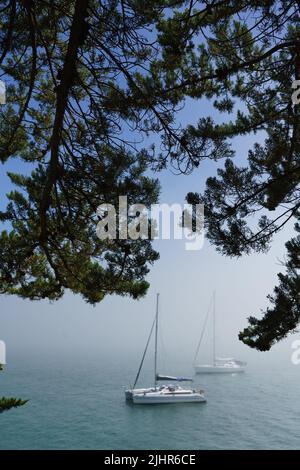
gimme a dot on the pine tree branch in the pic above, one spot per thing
(63, 90)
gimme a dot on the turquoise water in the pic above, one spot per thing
(80, 405)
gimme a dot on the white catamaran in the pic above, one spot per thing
(159, 394)
(221, 365)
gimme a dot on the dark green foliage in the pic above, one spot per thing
(73, 100)
(243, 57)
(85, 82)
(8, 403)
(252, 63)
(284, 316)
(73, 257)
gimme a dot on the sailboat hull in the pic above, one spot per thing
(136, 391)
(207, 369)
(162, 398)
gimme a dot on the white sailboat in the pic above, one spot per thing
(159, 394)
(220, 365)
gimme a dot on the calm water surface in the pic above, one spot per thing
(79, 404)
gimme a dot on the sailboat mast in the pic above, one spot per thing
(156, 333)
(214, 328)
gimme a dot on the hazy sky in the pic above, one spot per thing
(185, 280)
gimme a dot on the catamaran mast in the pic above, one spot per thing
(156, 332)
(214, 328)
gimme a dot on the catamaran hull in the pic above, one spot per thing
(129, 393)
(158, 400)
(218, 370)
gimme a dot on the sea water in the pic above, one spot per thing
(79, 404)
